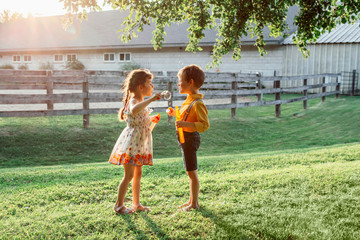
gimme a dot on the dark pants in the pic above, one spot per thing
(189, 149)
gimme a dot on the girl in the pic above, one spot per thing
(133, 148)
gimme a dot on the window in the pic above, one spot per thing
(27, 58)
(58, 58)
(16, 59)
(109, 57)
(71, 57)
(125, 57)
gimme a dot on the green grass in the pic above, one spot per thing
(296, 177)
(62, 140)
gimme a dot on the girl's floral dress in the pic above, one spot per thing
(134, 146)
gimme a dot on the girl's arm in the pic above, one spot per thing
(137, 107)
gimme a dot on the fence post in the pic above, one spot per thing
(323, 90)
(353, 83)
(170, 101)
(258, 86)
(277, 97)
(337, 87)
(305, 94)
(49, 89)
(85, 89)
(234, 97)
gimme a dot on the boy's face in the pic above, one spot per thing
(184, 86)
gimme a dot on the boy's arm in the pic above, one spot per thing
(203, 123)
(184, 124)
(202, 116)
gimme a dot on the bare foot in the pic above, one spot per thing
(122, 210)
(184, 205)
(188, 208)
(141, 208)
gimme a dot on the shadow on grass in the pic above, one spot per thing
(222, 227)
(155, 228)
(140, 235)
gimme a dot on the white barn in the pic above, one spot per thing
(95, 42)
(334, 52)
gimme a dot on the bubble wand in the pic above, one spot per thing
(180, 130)
(167, 96)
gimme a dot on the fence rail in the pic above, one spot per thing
(98, 87)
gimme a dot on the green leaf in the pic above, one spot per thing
(231, 19)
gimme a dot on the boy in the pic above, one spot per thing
(191, 78)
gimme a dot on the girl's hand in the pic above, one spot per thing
(155, 119)
(171, 112)
(156, 96)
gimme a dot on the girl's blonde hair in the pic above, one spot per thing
(133, 80)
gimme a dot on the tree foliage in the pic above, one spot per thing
(130, 66)
(232, 19)
(6, 66)
(74, 65)
(8, 16)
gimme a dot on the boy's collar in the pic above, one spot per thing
(196, 96)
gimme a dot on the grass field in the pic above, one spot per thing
(261, 177)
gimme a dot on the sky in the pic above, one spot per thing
(36, 8)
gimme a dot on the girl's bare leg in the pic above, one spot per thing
(123, 187)
(136, 190)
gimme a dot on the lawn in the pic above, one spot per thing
(261, 177)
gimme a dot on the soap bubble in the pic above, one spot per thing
(166, 95)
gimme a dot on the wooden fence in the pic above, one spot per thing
(225, 89)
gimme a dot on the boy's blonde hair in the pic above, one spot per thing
(192, 72)
(133, 80)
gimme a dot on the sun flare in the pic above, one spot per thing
(34, 8)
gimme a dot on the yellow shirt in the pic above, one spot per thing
(198, 113)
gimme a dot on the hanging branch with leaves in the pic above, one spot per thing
(232, 19)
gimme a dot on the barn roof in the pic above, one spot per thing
(344, 33)
(100, 31)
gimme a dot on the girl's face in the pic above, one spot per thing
(148, 87)
(184, 86)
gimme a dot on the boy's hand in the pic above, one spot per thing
(180, 124)
(171, 112)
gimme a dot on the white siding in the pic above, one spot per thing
(251, 61)
(37, 60)
(172, 59)
(324, 58)
(166, 59)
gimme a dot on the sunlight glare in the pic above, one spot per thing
(36, 8)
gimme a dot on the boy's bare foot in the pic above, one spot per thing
(188, 208)
(184, 205)
(122, 210)
(141, 208)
